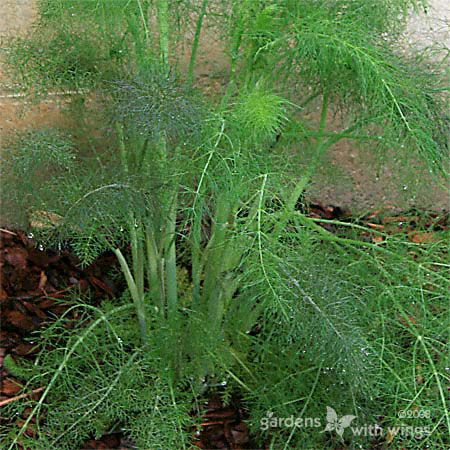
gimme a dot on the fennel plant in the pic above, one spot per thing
(229, 281)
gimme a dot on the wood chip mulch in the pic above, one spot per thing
(34, 284)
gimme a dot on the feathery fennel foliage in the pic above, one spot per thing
(348, 51)
(227, 282)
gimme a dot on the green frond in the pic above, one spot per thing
(156, 103)
(388, 91)
(260, 113)
(39, 151)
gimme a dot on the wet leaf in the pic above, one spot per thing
(42, 280)
(10, 387)
(17, 257)
(422, 237)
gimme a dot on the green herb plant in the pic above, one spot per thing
(230, 287)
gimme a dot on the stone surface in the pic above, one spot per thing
(433, 27)
(16, 16)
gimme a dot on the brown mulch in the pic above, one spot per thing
(34, 284)
(419, 226)
(223, 426)
(113, 441)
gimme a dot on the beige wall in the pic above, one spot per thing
(16, 15)
(433, 27)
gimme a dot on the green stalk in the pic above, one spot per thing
(162, 282)
(153, 265)
(137, 252)
(162, 9)
(142, 154)
(213, 261)
(195, 257)
(138, 41)
(197, 225)
(122, 149)
(144, 17)
(236, 44)
(171, 261)
(167, 259)
(301, 185)
(135, 295)
(321, 149)
(195, 43)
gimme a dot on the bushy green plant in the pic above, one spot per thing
(120, 386)
(229, 282)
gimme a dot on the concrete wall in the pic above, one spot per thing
(433, 27)
(16, 15)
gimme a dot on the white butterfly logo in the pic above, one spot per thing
(336, 424)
